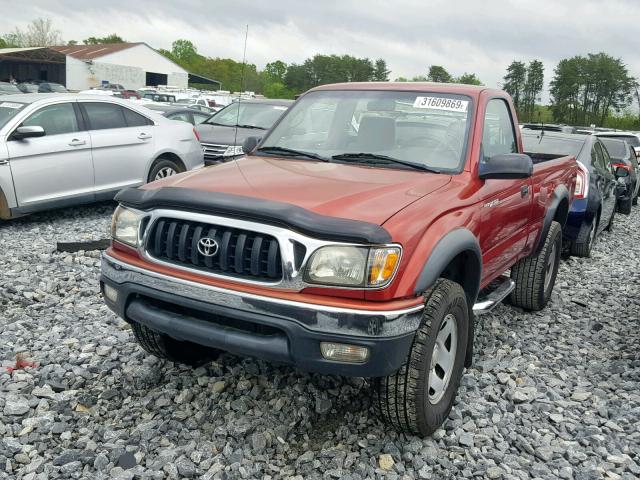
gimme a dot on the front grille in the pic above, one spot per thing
(240, 253)
(213, 151)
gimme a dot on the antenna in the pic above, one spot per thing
(244, 63)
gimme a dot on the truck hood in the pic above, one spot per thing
(221, 135)
(333, 189)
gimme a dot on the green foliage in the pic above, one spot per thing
(585, 90)
(437, 73)
(113, 38)
(514, 82)
(625, 121)
(277, 90)
(525, 83)
(72, 43)
(468, 79)
(380, 72)
(39, 33)
(3, 43)
(276, 71)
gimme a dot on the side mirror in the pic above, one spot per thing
(506, 166)
(250, 143)
(622, 172)
(28, 132)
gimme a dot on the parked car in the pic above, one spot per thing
(64, 149)
(353, 239)
(190, 115)
(130, 94)
(223, 133)
(7, 88)
(159, 97)
(198, 104)
(629, 137)
(625, 165)
(594, 205)
(51, 87)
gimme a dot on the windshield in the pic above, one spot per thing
(259, 115)
(550, 145)
(8, 88)
(8, 110)
(630, 139)
(427, 129)
(616, 148)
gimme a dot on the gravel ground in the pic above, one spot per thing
(554, 394)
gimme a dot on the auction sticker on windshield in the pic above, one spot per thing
(441, 103)
(11, 105)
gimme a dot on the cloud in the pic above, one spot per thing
(463, 36)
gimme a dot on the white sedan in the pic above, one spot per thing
(66, 149)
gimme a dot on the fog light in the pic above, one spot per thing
(110, 293)
(341, 352)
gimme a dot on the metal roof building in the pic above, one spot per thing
(132, 65)
(81, 67)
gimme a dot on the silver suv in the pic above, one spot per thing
(63, 149)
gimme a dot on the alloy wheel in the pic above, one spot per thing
(443, 359)
(165, 172)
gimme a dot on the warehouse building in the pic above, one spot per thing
(80, 67)
(132, 65)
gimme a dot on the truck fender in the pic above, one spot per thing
(558, 209)
(457, 245)
(457, 242)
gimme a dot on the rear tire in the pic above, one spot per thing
(583, 245)
(625, 206)
(167, 348)
(162, 168)
(418, 398)
(535, 276)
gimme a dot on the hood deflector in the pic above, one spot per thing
(268, 211)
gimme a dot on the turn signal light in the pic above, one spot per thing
(382, 265)
(342, 352)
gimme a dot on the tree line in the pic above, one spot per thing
(584, 90)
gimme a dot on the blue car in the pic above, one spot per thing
(594, 204)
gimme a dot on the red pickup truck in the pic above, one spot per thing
(361, 236)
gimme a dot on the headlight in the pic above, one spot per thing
(353, 266)
(125, 226)
(233, 151)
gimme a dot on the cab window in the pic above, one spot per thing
(54, 119)
(498, 136)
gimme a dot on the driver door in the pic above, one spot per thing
(56, 168)
(506, 204)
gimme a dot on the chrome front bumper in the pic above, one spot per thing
(314, 317)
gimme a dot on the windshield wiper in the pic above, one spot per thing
(216, 123)
(375, 156)
(289, 152)
(251, 126)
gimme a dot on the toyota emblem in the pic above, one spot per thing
(207, 246)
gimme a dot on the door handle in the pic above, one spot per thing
(4, 162)
(144, 136)
(76, 143)
(524, 191)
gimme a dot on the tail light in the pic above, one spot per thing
(622, 165)
(195, 132)
(582, 182)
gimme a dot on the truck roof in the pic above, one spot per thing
(469, 90)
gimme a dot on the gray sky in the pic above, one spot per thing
(463, 35)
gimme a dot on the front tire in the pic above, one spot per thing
(163, 168)
(418, 398)
(167, 348)
(535, 276)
